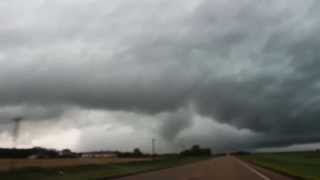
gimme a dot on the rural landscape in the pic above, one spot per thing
(160, 90)
(40, 163)
(49, 164)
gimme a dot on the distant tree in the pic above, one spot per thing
(24, 153)
(66, 151)
(196, 150)
(137, 152)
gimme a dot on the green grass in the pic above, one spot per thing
(305, 165)
(95, 172)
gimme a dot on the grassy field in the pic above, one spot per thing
(91, 172)
(6, 164)
(305, 165)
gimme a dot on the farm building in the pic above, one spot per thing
(98, 154)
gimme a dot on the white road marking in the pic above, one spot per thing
(252, 169)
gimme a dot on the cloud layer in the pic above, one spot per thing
(248, 65)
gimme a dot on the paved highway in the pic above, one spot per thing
(224, 168)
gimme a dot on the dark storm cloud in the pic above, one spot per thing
(7, 114)
(249, 64)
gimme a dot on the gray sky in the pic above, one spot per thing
(94, 74)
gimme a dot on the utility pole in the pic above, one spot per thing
(153, 147)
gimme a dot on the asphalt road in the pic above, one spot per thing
(224, 168)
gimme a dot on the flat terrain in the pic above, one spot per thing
(6, 164)
(97, 171)
(305, 165)
(224, 168)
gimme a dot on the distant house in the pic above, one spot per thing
(67, 153)
(41, 153)
(99, 154)
(38, 156)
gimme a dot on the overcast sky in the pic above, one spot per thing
(96, 74)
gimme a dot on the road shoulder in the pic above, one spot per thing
(271, 174)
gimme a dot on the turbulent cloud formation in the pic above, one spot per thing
(251, 67)
(174, 123)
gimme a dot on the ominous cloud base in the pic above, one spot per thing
(250, 67)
